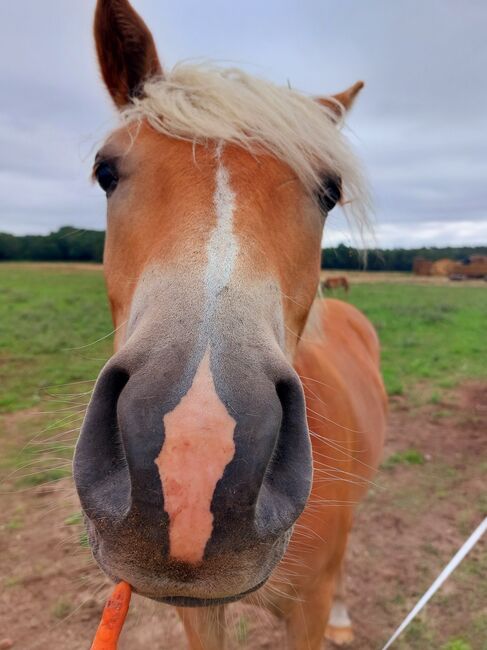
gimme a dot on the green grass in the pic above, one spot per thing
(49, 321)
(456, 644)
(62, 608)
(74, 520)
(83, 539)
(55, 337)
(418, 634)
(431, 334)
(50, 318)
(44, 314)
(14, 524)
(42, 476)
(407, 457)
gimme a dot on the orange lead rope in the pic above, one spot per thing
(113, 618)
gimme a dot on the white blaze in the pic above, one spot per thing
(222, 246)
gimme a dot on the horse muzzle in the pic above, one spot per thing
(192, 468)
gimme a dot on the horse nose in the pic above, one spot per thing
(100, 467)
(206, 465)
(287, 480)
(266, 486)
(113, 465)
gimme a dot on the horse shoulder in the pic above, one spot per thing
(338, 360)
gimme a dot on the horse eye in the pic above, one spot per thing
(107, 176)
(329, 194)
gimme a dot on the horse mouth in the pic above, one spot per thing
(184, 600)
(160, 586)
(166, 590)
(187, 601)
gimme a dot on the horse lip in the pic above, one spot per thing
(187, 601)
(180, 601)
(177, 600)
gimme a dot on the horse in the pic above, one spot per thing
(240, 419)
(336, 283)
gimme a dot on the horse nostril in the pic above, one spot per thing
(287, 481)
(100, 466)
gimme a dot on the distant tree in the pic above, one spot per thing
(9, 247)
(391, 259)
(67, 244)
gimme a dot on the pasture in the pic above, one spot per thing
(55, 334)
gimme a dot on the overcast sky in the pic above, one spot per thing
(420, 125)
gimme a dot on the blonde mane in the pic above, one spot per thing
(202, 102)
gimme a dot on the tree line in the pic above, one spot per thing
(392, 259)
(72, 245)
(67, 244)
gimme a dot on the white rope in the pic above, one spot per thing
(450, 567)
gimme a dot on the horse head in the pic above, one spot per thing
(194, 460)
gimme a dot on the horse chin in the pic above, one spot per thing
(216, 581)
(187, 601)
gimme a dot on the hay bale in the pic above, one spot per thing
(421, 266)
(472, 270)
(444, 267)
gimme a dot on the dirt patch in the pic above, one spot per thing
(11, 422)
(416, 518)
(423, 506)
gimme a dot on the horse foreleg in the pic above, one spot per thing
(339, 628)
(308, 617)
(204, 626)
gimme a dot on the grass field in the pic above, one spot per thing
(55, 335)
(54, 338)
(49, 319)
(56, 330)
(434, 335)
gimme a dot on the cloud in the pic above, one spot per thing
(420, 126)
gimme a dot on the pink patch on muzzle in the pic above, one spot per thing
(198, 446)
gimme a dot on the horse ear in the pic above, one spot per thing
(126, 51)
(342, 102)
